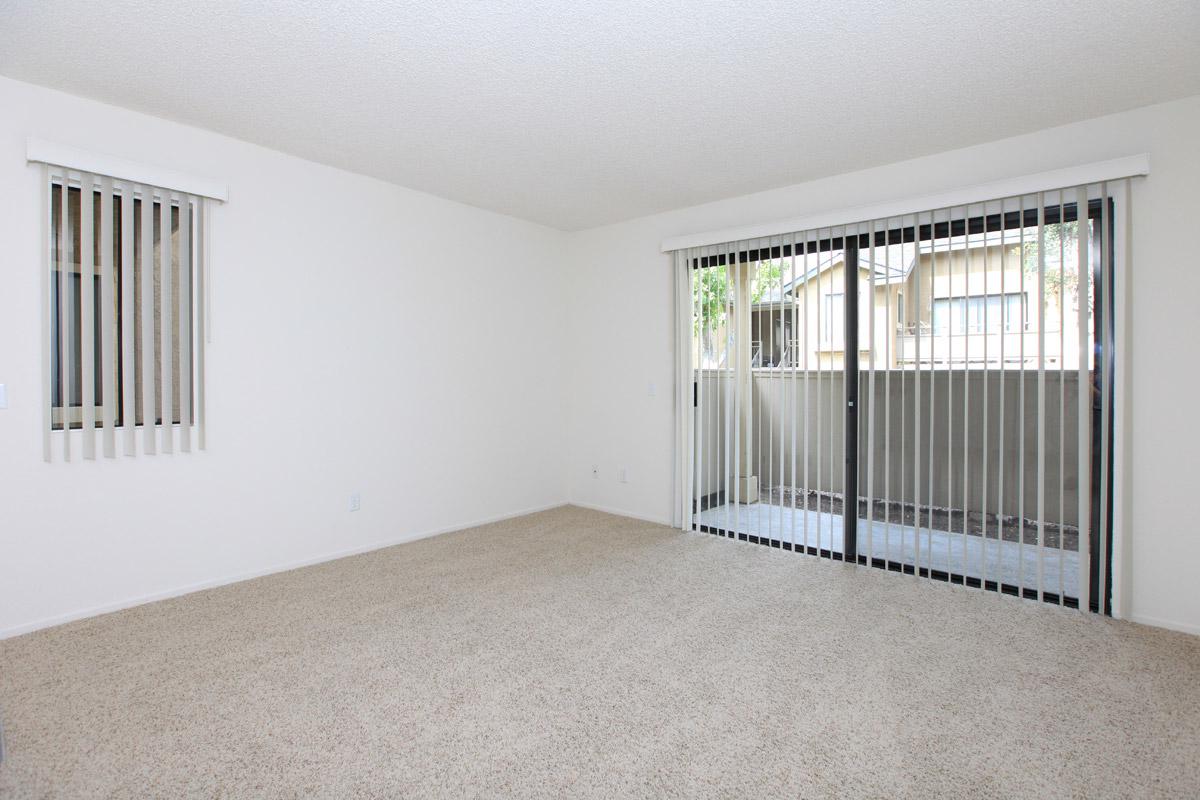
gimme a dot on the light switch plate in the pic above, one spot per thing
(3, 395)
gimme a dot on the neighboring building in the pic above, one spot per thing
(945, 304)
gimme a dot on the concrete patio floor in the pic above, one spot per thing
(991, 559)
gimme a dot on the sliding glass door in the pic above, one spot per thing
(929, 394)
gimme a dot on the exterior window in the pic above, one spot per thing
(833, 319)
(982, 314)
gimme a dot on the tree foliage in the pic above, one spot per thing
(1060, 264)
(714, 287)
(716, 291)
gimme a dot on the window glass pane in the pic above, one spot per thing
(1013, 318)
(941, 316)
(959, 315)
(834, 319)
(992, 314)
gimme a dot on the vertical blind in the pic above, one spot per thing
(929, 393)
(124, 306)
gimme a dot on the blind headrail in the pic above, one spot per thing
(72, 158)
(1094, 172)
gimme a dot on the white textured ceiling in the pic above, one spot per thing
(579, 114)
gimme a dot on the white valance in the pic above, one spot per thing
(74, 158)
(1082, 174)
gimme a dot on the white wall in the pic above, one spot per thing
(620, 329)
(333, 369)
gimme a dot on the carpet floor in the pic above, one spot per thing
(577, 654)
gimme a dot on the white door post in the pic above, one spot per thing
(747, 480)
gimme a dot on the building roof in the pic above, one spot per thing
(891, 264)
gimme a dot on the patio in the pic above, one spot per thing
(989, 559)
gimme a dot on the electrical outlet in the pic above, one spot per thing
(595, 472)
(355, 501)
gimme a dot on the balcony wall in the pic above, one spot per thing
(964, 406)
(980, 348)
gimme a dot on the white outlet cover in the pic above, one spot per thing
(3, 395)
(355, 501)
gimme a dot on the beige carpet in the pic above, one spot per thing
(576, 654)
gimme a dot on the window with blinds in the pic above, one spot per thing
(930, 393)
(124, 294)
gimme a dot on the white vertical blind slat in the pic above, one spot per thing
(149, 438)
(1021, 403)
(933, 342)
(966, 392)
(767, 420)
(950, 349)
(775, 444)
(65, 312)
(807, 394)
(738, 405)
(1041, 396)
(711, 393)
(700, 413)
(700, 410)
(929, 443)
(902, 482)
(128, 330)
(1103, 294)
(1121, 271)
(108, 321)
(87, 308)
(166, 260)
(202, 322)
(1001, 442)
(819, 313)
(779, 371)
(870, 404)
(183, 318)
(917, 408)
(681, 315)
(720, 430)
(47, 315)
(985, 463)
(1084, 427)
(1061, 411)
(890, 323)
(792, 364)
(725, 388)
(836, 408)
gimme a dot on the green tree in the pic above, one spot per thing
(715, 291)
(1058, 239)
(769, 273)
